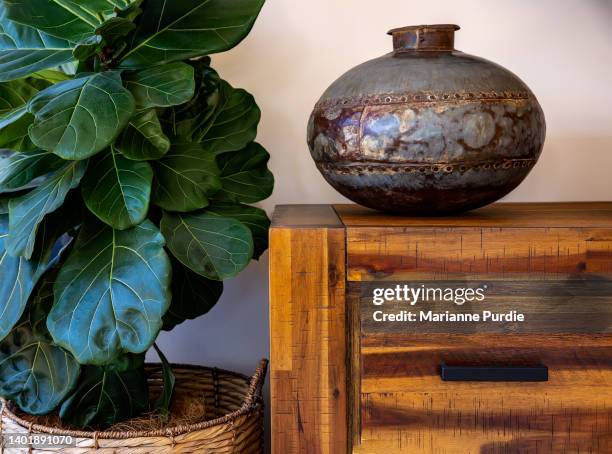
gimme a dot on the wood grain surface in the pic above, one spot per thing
(551, 262)
(545, 306)
(406, 407)
(308, 331)
(562, 214)
(342, 384)
(385, 253)
(499, 241)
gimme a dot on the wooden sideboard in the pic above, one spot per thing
(341, 381)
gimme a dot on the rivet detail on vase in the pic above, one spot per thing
(420, 97)
(351, 168)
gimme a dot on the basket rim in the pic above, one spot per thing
(251, 404)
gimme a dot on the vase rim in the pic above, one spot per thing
(408, 28)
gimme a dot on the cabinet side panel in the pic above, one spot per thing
(308, 340)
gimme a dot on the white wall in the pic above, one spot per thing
(561, 48)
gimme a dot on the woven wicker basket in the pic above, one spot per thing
(233, 419)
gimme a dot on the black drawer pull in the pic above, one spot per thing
(493, 373)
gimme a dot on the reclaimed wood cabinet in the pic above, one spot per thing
(353, 373)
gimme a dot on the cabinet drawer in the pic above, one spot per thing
(537, 380)
(405, 406)
(553, 392)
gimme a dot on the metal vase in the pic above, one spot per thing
(426, 129)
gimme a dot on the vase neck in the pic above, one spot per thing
(440, 37)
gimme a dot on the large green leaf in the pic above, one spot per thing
(52, 76)
(192, 295)
(27, 211)
(117, 190)
(122, 5)
(24, 50)
(143, 139)
(181, 29)
(187, 119)
(162, 86)
(17, 280)
(35, 373)
(78, 118)
(185, 178)
(14, 130)
(20, 171)
(14, 117)
(87, 47)
(254, 218)
(245, 176)
(15, 93)
(107, 395)
(111, 293)
(233, 125)
(10, 113)
(115, 27)
(40, 304)
(131, 11)
(73, 20)
(19, 276)
(213, 246)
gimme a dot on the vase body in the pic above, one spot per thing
(426, 129)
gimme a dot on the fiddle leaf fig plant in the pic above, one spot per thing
(127, 172)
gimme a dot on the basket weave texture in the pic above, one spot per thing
(233, 421)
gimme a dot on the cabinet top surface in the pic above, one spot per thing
(566, 214)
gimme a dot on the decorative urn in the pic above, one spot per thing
(426, 129)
